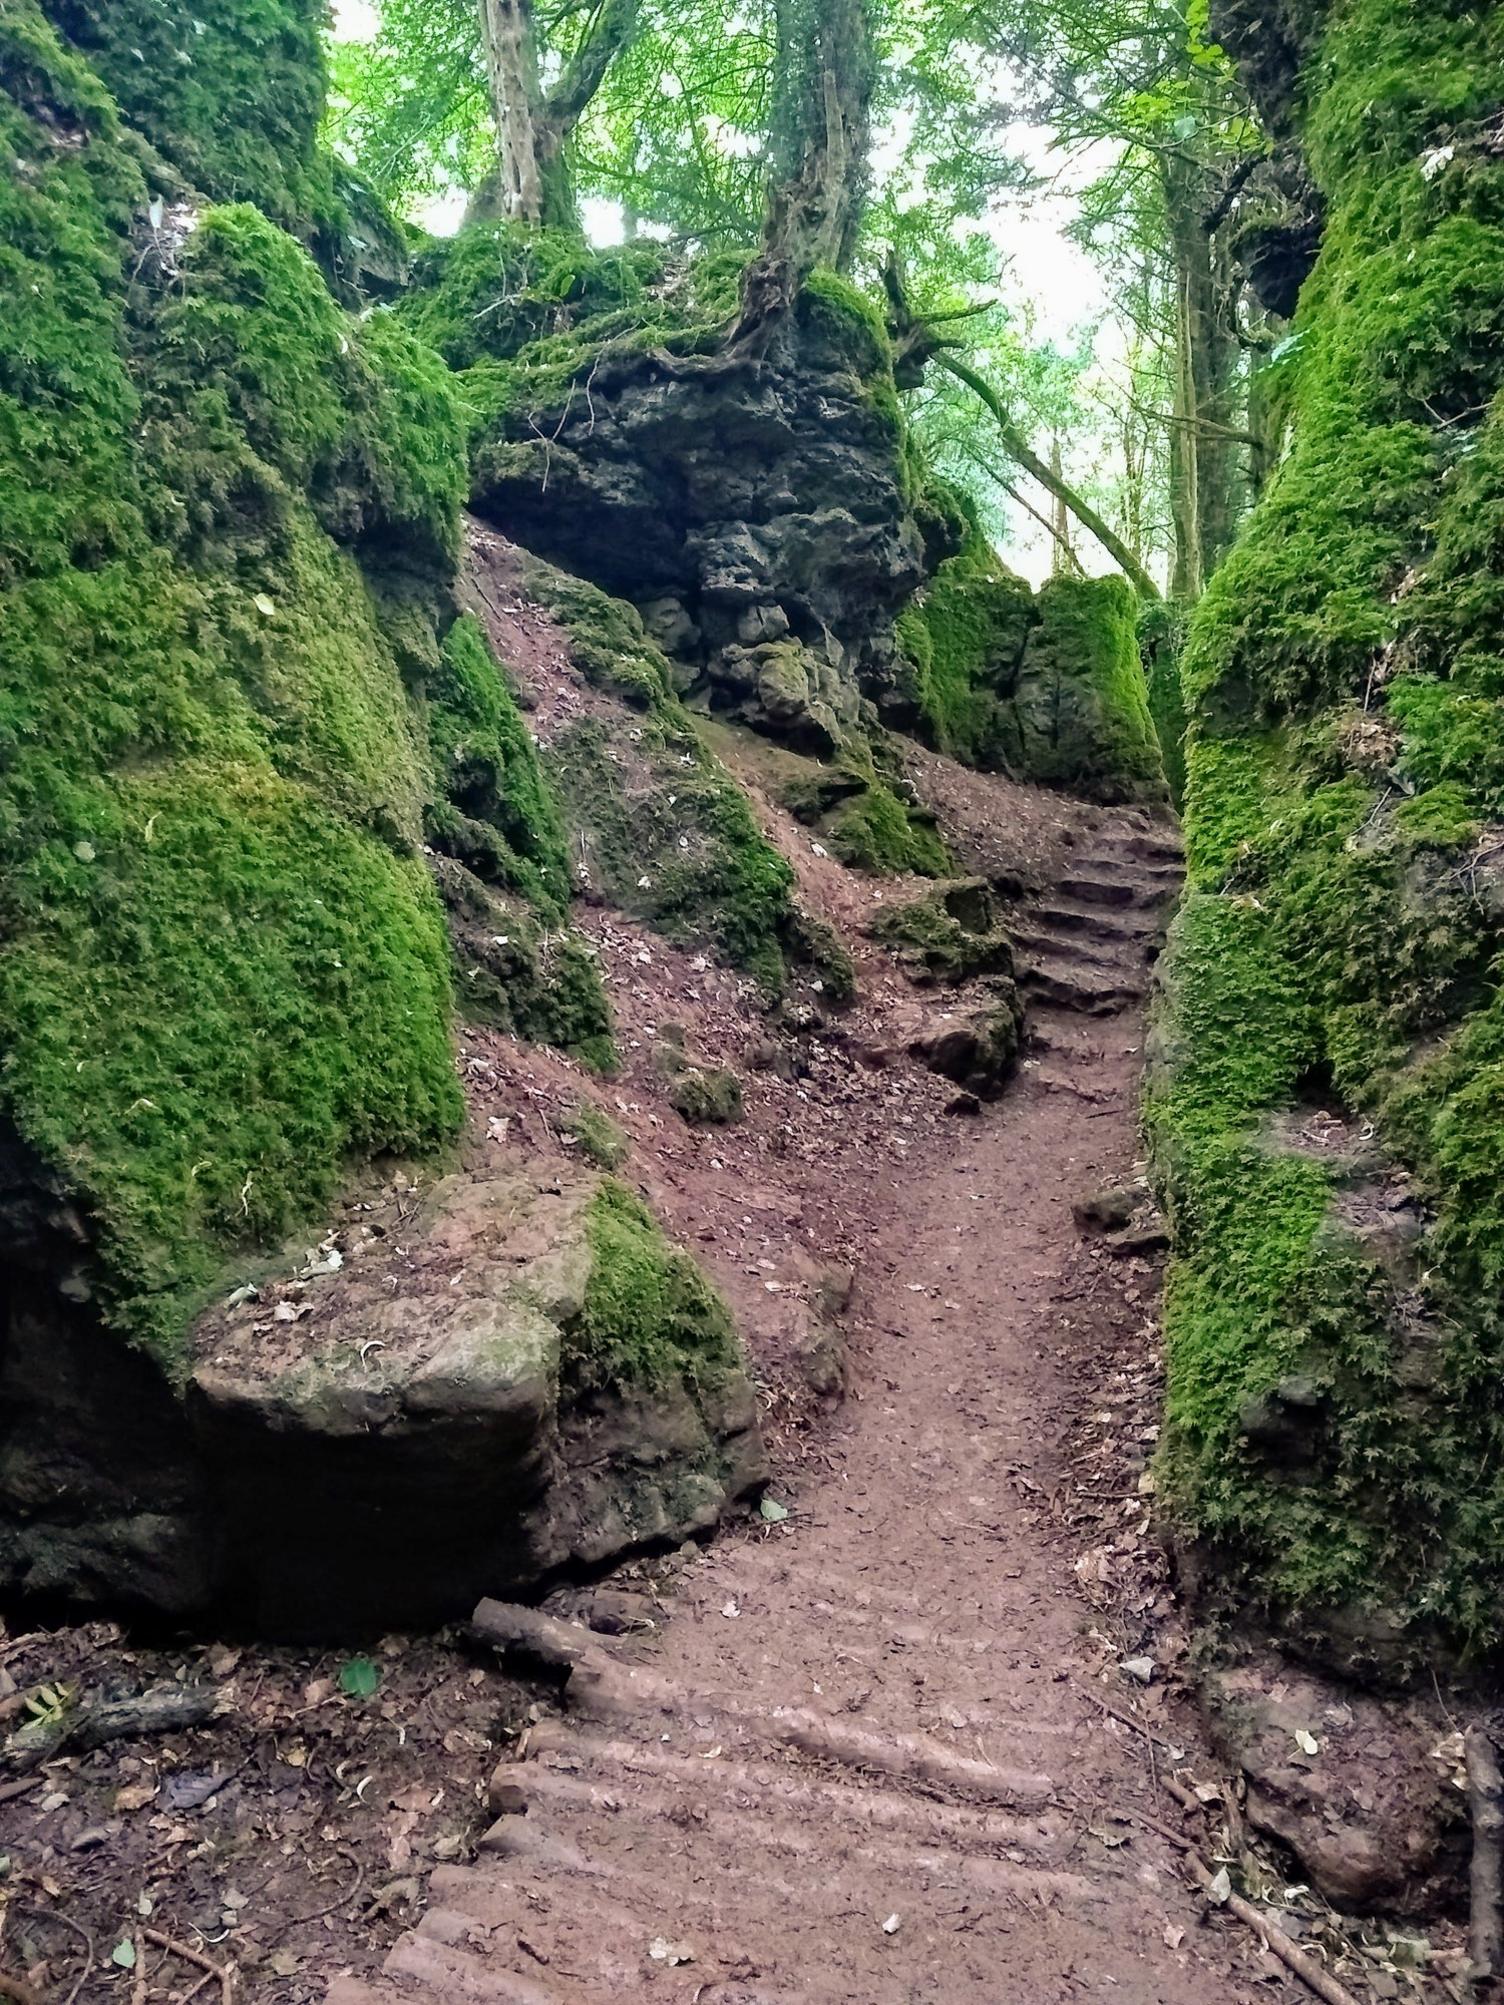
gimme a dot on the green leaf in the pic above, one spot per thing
(359, 1678)
(123, 1955)
(773, 1513)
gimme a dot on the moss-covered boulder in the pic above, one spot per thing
(521, 1379)
(1334, 971)
(953, 934)
(1045, 686)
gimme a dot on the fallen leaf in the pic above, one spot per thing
(1307, 1742)
(672, 1953)
(890, 1926)
(772, 1512)
(1219, 1887)
(135, 1796)
(1174, 1936)
(359, 1678)
(123, 1955)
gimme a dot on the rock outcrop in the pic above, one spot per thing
(487, 1382)
(269, 814)
(1045, 686)
(1326, 1115)
(759, 511)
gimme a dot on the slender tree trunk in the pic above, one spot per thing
(1019, 450)
(1185, 511)
(1064, 555)
(531, 182)
(515, 188)
(822, 113)
(1209, 486)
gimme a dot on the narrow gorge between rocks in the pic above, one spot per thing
(750, 1112)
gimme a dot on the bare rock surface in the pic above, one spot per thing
(1366, 1799)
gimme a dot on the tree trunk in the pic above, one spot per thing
(1019, 449)
(514, 189)
(1208, 482)
(531, 182)
(822, 117)
(1064, 558)
(1185, 512)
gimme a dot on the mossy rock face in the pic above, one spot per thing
(764, 519)
(1342, 677)
(952, 935)
(238, 704)
(660, 827)
(231, 92)
(1047, 687)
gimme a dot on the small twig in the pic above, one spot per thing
(343, 1900)
(1127, 1720)
(225, 1972)
(75, 1928)
(1278, 1944)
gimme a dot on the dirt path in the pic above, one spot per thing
(862, 1760)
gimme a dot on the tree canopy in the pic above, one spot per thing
(901, 134)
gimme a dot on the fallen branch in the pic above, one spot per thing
(166, 1709)
(1485, 1792)
(1278, 1944)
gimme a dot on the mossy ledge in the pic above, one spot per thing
(1335, 1425)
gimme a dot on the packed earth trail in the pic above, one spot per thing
(859, 1755)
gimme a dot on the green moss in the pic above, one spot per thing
(650, 1315)
(950, 935)
(1344, 675)
(876, 831)
(849, 321)
(1047, 687)
(966, 638)
(664, 831)
(706, 1096)
(599, 1139)
(231, 92)
(1161, 642)
(490, 771)
(225, 973)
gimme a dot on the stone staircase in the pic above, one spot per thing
(1087, 944)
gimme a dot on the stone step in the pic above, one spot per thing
(1095, 882)
(1090, 950)
(1099, 922)
(1082, 990)
(1166, 848)
(663, 1776)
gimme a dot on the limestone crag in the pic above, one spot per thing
(757, 512)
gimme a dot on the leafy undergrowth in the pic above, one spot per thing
(1339, 945)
